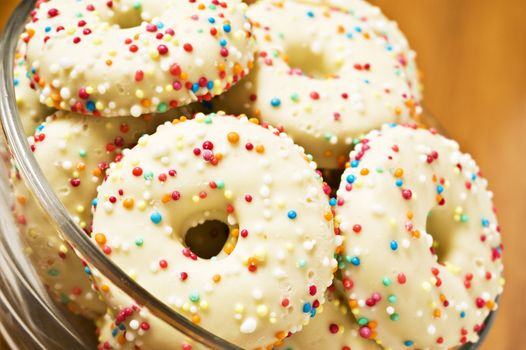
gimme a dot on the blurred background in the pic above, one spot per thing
(473, 57)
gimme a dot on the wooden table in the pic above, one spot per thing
(473, 54)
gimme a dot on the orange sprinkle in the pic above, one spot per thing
(100, 238)
(254, 121)
(104, 288)
(109, 62)
(364, 171)
(281, 335)
(146, 102)
(373, 324)
(260, 149)
(166, 198)
(218, 156)
(233, 137)
(196, 319)
(216, 278)
(399, 172)
(416, 234)
(410, 215)
(328, 216)
(96, 172)
(128, 203)
(81, 166)
(235, 232)
(229, 247)
(437, 313)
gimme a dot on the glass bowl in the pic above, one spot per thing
(29, 319)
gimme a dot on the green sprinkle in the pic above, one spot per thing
(208, 120)
(83, 153)
(53, 272)
(194, 297)
(220, 184)
(295, 97)
(362, 321)
(302, 263)
(394, 317)
(464, 218)
(148, 175)
(139, 242)
(392, 299)
(162, 107)
(387, 281)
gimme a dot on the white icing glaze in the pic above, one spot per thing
(421, 290)
(282, 262)
(326, 84)
(334, 327)
(372, 18)
(128, 57)
(30, 110)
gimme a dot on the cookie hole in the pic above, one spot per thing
(126, 17)
(435, 227)
(303, 59)
(207, 239)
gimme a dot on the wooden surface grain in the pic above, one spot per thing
(473, 56)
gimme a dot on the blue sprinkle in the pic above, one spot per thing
(310, 14)
(394, 245)
(41, 127)
(227, 28)
(87, 270)
(355, 261)
(485, 222)
(399, 182)
(354, 163)
(16, 82)
(462, 314)
(292, 214)
(195, 87)
(307, 307)
(408, 343)
(160, 25)
(90, 106)
(94, 202)
(358, 29)
(156, 217)
(367, 81)
(211, 20)
(223, 42)
(114, 332)
(350, 178)
(312, 313)
(440, 189)
(389, 48)
(349, 35)
(47, 29)
(473, 177)
(275, 102)
(332, 202)
(210, 85)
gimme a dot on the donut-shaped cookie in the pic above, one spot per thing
(128, 57)
(334, 327)
(273, 275)
(422, 258)
(372, 19)
(30, 110)
(325, 84)
(74, 152)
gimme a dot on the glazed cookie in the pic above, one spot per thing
(74, 152)
(372, 19)
(55, 262)
(128, 57)
(334, 327)
(30, 110)
(424, 254)
(336, 78)
(272, 276)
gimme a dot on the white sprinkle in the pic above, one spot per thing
(248, 326)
